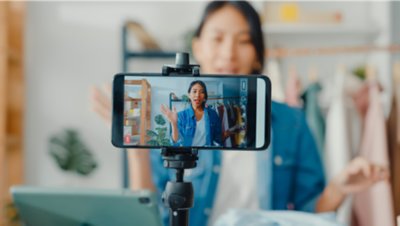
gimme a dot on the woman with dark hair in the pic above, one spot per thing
(197, 125)
(248, 42)
(290, 174)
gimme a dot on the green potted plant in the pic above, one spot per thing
(158, 136)
(185, 98)
(71, 153)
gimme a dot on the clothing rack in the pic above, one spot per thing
(223, 98)
(303, 52)
(212, 98)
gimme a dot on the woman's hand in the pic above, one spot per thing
(100, 101)
(139, 160)
(172, 116)
(358, 176)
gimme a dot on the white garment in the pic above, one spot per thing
(337, 145)
(237, 185)
(228, 142)
(273, 72)
(337, 141)
(200, 135)
(342, 115)
(240, 217)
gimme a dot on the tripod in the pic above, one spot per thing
(178, 195)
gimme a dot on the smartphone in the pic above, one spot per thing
(215, 112)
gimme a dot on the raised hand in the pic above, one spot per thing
(172, 116)
(100, 101)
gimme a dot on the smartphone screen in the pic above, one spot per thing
(205, 112)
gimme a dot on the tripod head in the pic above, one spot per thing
(181, 66)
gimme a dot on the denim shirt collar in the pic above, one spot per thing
(191, 112)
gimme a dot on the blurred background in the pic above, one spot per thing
(52, 53)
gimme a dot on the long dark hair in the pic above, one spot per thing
(203, 85)
(252, 18)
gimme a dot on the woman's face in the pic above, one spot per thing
(224, 46)
(197, 95)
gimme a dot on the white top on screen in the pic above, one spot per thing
(199, 138)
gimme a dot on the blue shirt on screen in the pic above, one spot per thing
(187, 127)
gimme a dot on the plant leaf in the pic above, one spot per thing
(159, 119)
(162, 133)
(166, 142)
(71, 153)
(151, 133)
(185, 97)
(152, 143)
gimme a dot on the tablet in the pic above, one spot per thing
(40, 206)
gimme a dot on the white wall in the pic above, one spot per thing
(69, 47)
(72, 45)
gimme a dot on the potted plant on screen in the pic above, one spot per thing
(158, 137)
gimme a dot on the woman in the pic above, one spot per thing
(229, 40)
(198, 125)
(289, 175)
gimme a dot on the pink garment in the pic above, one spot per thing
(293, 89)
(374, 206)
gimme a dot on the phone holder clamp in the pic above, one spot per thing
(181, 66)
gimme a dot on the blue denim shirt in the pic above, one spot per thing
(187, 127)
(297, 172)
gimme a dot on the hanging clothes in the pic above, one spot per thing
(361, 100)
(393, 132)
(220, 112)
(240, 134)
(374, 206)
(275, 218)
(337, 149)
(228, 140)
(293, 87)
(337, 145)
(315, 119)
(232, 122)
(224, 123)
(274, 74)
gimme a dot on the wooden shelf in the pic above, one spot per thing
(133, 117)
(145, 110)
(132, 99)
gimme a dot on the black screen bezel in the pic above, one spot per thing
(118, 109)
